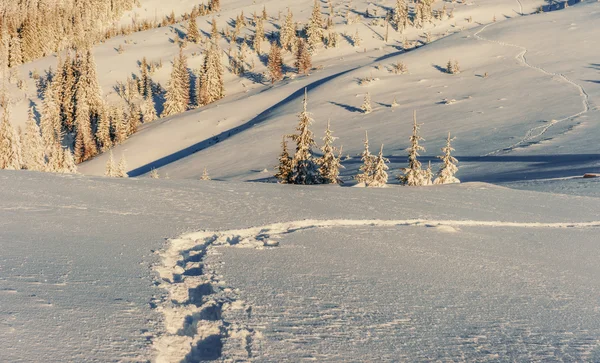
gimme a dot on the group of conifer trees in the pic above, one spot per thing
(306, 168)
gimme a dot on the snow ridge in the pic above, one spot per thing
(197, 298)
(537, 131)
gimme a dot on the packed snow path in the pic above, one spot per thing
(198, 297)
(534, 133)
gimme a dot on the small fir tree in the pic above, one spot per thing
(380, 175)
(275, 64)
(368, 164)
(330, 163)
(446, 173)
(413, 174)
(305, 168)
(205, 175)
(284, 169)
(33, 145)
(303, 57)
(366, 106)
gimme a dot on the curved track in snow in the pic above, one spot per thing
(537, 131)
(197, 297)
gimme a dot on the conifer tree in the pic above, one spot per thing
(304, 166)
(178, 88)
(287, 35)
(214, 32)
(149, 110)
(428, 175)
(10, 148)
(103, 130)
(111, 167)
(211, 83)
(303, 57)
(154, 174)
(329, 162)
(15, 57)
(122, 168)
(366, 106)
(193, 34)
(446, 173)
(33, 145)
(68, 162)
(133, 121)
(284, 169)
(413, 174)
(314, 31)
(85, 145)
(205, 175)
(259, 36)
(275, 63)
(400, 17)
(368, 164)
(118, 125)
(380, 175)
(50, 123)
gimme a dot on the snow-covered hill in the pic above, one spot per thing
(533, 116)
(499, 271)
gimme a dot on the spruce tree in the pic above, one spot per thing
(366, 106)
(103, 130)
(305, 169)
(85, 145)
(149, 110)
(33, 145)
(68, 162)
(212, 86)
(193, 34)
(275, 63)
(380, 175)
(10, 148)
(205, 175)
(446, 173)
(284, 169)
(178, 88)
(303, 57)
(368, 164)
(413, 174)
(111, 167)
(133, 121)
(314, 31)
(329, 162)
(122, 168)
(259, 36)
(287, 35)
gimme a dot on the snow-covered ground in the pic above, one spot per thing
(76, 279)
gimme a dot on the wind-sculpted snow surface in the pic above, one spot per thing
(200, 303)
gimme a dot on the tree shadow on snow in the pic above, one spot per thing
(346, 107)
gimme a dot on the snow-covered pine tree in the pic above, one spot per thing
(275, 63)
(118, 124)
(85, 145)
(145, 80)
(380, 175)
(68, 162)
(154, 174)
(111, 168)
(33, 145)
(446, 173)
(287, 35)
(103, 129)
(149, 110)
(214, 32)
(205, 175)
(284, 169)
(211, 83)
(193, 34)
(303, 57)
(259, 36)
(400, 18)
(366, 106)
(133, 121)
(314, 30)
(122, 168)
(329, 162)
(178, 93)
(368, 164)
(305, 169)
(428, 175)
(10, 148)
(413, 175)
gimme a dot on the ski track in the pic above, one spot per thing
(196, 297)
(537, 131)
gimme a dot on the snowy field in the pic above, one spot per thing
(77, 284)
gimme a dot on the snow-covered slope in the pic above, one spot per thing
(76, 280)
(533, 116)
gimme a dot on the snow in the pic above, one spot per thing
(183, 270)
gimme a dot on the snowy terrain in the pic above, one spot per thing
(98, 269)
(76, 281)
